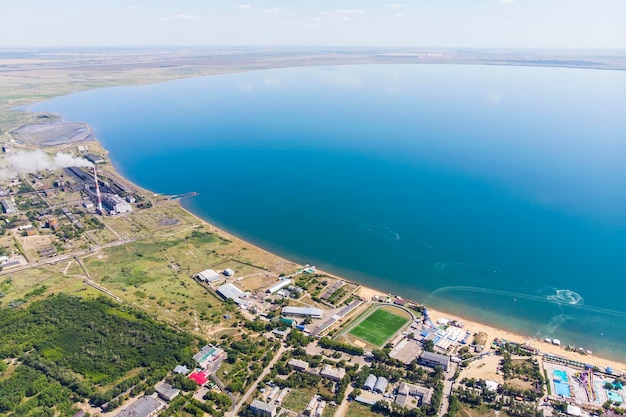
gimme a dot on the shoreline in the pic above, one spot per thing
(473, 325)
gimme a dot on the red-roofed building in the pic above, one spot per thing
(199, 377)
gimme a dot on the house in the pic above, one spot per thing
(142, 407)
(315, 313)
(166, 391)
(432, 360)
(261, 409)
(181, 369)
(369, 382)
(298, 365)
(334, 374)
(229, 272)
(381, 385)
(29, 231)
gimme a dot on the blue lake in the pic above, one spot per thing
(496, 193)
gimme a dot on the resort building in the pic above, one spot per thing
(432, 360)
(261, 409)
(334, 374)
(315, 313)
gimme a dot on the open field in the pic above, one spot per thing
(379, 326)
(297, 400)
(360, 410)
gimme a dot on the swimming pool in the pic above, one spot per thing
(615, 397)
(562, 388)
(560, 375)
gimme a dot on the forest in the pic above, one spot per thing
(64, 349)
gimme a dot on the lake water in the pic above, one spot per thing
(497, 193)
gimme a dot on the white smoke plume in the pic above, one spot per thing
(24, 162)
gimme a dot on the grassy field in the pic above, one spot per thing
(360, 410)
(378, 327)
(297, 401)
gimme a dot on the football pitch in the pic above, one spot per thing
(378, 327)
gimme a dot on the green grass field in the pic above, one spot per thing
(378, 327)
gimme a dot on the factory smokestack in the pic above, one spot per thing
(98, 195)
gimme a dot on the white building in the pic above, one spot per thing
(230, 291)
(281, 284)
(208, 275)
(335, 374)
(302, 312)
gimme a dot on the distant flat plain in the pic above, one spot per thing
(29, 76)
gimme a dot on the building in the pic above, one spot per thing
(115, 204)
(432, 360)
(334, 374)
(229, 291)
(29, 231)
(298, 365)
(259, 408)
(381, 385)
(315, 313)
(295, 289)
(207, 355)
(281, 284)
(96, 159)
(142, 407)
(229, 272)
(166, 391)
(199, 378)
(181, 369)
(208, 275)
(369, 382)
(405, 391)
(8, 206)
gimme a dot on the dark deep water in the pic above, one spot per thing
(497, 193)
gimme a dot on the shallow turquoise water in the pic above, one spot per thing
(498, 193)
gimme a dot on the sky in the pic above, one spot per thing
(572, 24)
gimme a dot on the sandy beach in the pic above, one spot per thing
(486, 372)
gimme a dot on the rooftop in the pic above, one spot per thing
(142, 407)
(232, 292)
(302, 311)
(260, 405)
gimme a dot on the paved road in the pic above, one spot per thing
(252, 389)
(447, 389)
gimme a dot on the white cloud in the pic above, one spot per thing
(397, 5)
(347, 12)
(134, 6)
(187, 16)
(507, 1)
(398, 15)
(164, 19)
(273, 10)
(243, 6)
